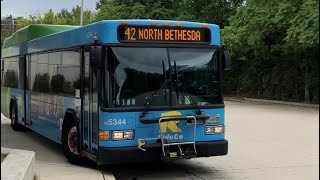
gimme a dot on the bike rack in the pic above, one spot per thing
(173, 118)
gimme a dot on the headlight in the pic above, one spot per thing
(122, 135)
(214, 129)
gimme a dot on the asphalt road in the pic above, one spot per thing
(266, 141)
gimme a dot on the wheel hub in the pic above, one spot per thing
(72, 140)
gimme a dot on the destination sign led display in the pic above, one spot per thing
(163, 34)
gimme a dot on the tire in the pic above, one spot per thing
(70, 143)
(14, 118)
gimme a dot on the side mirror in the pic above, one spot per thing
(96, 53)
(226, 59)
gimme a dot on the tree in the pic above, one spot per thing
(49, 17)
(210, 11)
(304, 31)
(303, 38)
(64, 17)
(278, 39)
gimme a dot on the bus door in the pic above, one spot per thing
(90, 111)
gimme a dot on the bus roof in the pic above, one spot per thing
(37, 38)
(33, 32)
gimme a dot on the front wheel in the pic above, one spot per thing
(70, 143)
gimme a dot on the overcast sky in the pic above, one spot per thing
(29, 7)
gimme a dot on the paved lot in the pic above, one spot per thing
(265, 142)
(50, 161)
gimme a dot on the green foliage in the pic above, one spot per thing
(279, 43)
(210, 11)
(135, 9)
(73, 17)
(6, 27)
(304, 31)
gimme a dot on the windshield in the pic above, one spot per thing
(136, 74)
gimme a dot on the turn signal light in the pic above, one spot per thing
(103, 135)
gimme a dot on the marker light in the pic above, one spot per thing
(124, 22)
(204, 25)
(123, 135)
(178, 24)
(214, 129)
(165, 24)
(153, 24)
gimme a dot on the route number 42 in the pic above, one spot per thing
(114, 122)
(131, 32)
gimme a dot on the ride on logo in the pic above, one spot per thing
(171, 125)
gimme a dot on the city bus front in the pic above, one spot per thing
(161, 99)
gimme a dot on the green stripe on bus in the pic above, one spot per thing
(33, 32)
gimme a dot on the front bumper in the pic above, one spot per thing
(153, 152)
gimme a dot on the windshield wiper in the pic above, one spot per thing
(148, 103)
(179, 84)
(198, 111)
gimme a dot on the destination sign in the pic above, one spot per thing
(163, 34)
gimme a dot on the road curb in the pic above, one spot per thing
(18, 164)
(271, 102)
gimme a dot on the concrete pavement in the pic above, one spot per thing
(50, 161)
(54, 171)
(18, 164)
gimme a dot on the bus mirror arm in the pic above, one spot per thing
(96, 55)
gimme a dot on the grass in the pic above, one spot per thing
(2, 157)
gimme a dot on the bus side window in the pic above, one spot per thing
(21, 73)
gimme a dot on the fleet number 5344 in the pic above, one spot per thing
(115, 122)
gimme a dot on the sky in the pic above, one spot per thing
(30, 7)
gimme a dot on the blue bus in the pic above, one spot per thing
(119, 91)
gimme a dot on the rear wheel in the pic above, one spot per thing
(70, 143)
(14, 118)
